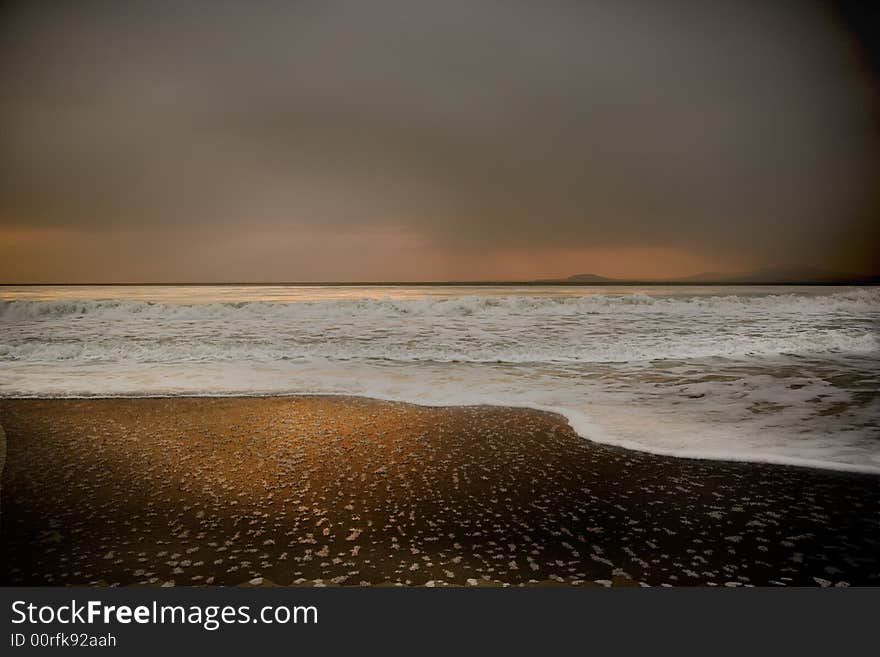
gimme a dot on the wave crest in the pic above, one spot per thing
(853, 301)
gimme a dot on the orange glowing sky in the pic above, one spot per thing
(390, 256)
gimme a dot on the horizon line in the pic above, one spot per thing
(873, 279)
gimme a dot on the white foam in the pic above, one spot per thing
(856, 301)
(774, 376)
(594, 328)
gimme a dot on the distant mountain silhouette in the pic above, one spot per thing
(779, 275)
(766, 276)
(589, 278)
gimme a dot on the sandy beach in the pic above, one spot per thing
(351, 491)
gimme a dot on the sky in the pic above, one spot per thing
(407, 140)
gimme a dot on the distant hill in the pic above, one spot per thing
(779, 275)
(584, 278)
(767, 276)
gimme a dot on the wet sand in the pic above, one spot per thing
(348, 491)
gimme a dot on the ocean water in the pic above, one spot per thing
(772, 374)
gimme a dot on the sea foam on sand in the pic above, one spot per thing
(777, 374)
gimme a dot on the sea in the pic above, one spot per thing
(776, 374)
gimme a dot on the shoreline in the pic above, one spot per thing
(339, 490)
(582, 425)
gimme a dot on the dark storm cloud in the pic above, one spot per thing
(726, 127)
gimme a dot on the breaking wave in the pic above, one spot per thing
(595, 328)
(851, 301)
(452, 350)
